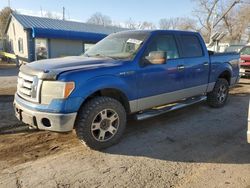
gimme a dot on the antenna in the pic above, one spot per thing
(8, 3)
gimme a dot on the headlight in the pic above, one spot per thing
(55, 90)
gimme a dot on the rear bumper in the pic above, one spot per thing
(45, 121)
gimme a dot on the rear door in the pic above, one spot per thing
(196, 63)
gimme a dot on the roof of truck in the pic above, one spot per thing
(158, 31)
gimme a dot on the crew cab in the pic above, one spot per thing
(137, 73)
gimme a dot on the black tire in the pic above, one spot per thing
(214, 98)
(89, 116)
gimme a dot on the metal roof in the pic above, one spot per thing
(48, 23)
(55, 28)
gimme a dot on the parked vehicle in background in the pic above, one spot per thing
(245, 61)
(234, 48)
(144, 73)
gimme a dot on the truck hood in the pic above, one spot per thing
(49, 69)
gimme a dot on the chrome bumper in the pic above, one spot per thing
(45, 121)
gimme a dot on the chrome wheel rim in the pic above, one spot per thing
(222, 93)
(105, 125)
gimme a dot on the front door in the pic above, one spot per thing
(162, 83)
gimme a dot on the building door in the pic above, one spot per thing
(41, 49)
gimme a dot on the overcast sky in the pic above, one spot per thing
(117, 10)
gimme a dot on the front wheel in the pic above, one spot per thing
(218, 97)
(101, 122)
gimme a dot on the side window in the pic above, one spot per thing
(191, 46)
(164, 43)
(20, 45)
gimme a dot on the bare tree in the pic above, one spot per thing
(178, 23)
(167, 23)
(237, 22)
(4, 15)
(146, 25)
(131, 24)
(206, 12)
(52, 15)
(100, 19)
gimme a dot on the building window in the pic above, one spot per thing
(20, 45)
(41, 47)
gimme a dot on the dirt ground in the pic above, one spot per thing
(193, 147)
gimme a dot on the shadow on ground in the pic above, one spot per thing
(10, 71)
(195, 134)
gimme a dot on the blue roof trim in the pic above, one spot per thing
(66, 34)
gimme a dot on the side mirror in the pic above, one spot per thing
(157, 57)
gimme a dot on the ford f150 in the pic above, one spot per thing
(142, 73)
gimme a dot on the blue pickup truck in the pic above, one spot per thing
(137, 73)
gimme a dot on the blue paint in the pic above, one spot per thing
(94, 74)
(67, 35)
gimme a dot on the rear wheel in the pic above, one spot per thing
(101, 122)
(218, 97)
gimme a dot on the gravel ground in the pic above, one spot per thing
(8, 79)
(193, 147)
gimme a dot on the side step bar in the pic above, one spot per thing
(163, 109)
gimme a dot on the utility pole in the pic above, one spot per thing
(217, 37)
(226, 12)
(41, 11)
(63, 13)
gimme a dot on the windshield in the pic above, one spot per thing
(245, 51)
(119, 46)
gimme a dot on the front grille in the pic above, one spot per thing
(28, 87)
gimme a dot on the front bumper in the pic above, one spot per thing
(57, 122)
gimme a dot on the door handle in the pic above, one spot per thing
(206, 64)
(180, 67)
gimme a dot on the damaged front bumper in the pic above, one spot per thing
(57, 122)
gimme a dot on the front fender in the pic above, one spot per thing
(126, 85)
